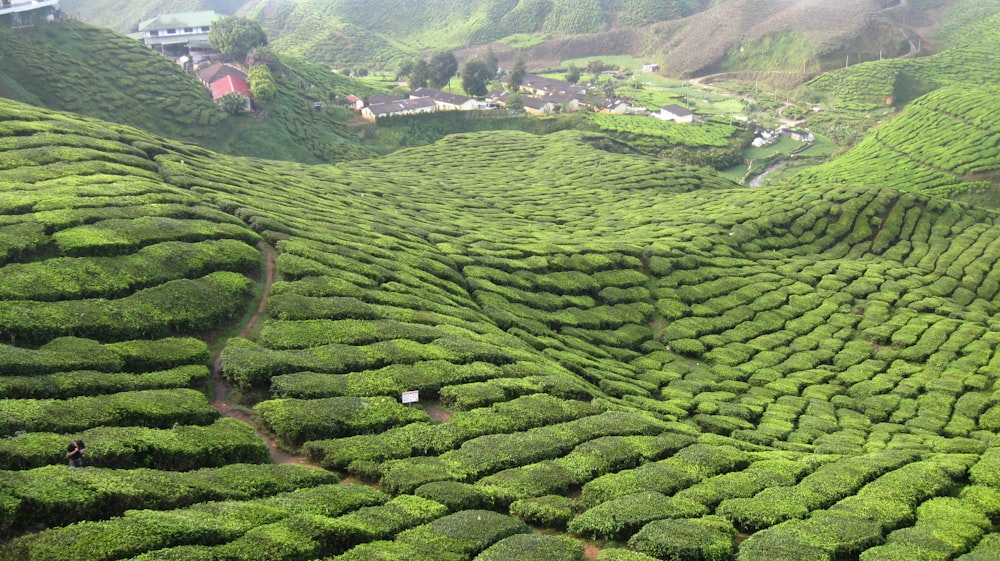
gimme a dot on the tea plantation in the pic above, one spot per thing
(613, 352)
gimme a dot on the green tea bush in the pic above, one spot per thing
(709, 538)
(180, 448)
(533, 547)
(549, 511)
(153, 408)
(466, 533)
(619, 518)
(88, 383)
(456, 496)
(54, 496)
(297, 420)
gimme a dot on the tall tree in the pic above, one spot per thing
(572, 73)
(517, 73)
(235, 36)
(419, 73)
(262, 84)
(442, 66)
(492, 61)
(476, 76)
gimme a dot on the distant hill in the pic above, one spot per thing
(344, 33)
(89, 70)
(970, 59)
(124, 16)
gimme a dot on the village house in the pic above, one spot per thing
(650, 67)
(379, 99)
(355, 102)
(230, 84)
(399, 107)
(446, 101)
(675, 113)
(566, 102)
(538, 106)
(539, 85)
(20, 13)
(213, 72)
(174, 34)
(616, 107)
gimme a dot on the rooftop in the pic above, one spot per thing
(180, 21)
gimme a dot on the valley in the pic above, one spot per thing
(767, 334)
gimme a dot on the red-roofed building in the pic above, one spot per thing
(230, 84)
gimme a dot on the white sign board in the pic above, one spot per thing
(411, 397)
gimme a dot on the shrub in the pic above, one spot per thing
(297, 420)
(456, 496)
(619, 518)
(698, 539)
(533, 547)
(550, 511)
(466, 533)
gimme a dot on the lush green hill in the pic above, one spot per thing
(125, 16)
(947, 142)
(343, 33)
(612, 348)
(968, 60)
(92, 71)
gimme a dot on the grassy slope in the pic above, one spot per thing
(343, 34)
(944, 141)
(805, 327)
(967, 60)
(124, 17)
(92, 71)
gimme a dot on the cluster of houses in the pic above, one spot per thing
(768, 137)
(539, 96)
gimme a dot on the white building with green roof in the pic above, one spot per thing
(177, 31)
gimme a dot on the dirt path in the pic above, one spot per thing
(222, 387)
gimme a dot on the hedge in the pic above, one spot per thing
(466, 533)
(116, 236)
(297, 420)
(533, 547)
(211, 523)
(687, 467)
(457, 496)
(550, 511)
(427, 377)
(180, 448)
(619, 518)
(698, 539)
(491, 453)
(152, 408)
(67, 278)
(55, 496)
(88, 383)
(176, 306)
(67, 354)
(418, 439)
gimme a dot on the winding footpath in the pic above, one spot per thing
(223, 387)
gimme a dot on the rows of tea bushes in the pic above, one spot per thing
(964, 146)
(607, 347)
(707, 134)
(866, 86)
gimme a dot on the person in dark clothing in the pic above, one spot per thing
(75, 453)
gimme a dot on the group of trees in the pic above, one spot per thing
(235, 37)
(477, 73)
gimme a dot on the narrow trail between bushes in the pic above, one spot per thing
(222, 386)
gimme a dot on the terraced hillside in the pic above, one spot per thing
(343, 33)
(967, 61)
(612, 352)
(947, 143)
(70, 66)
